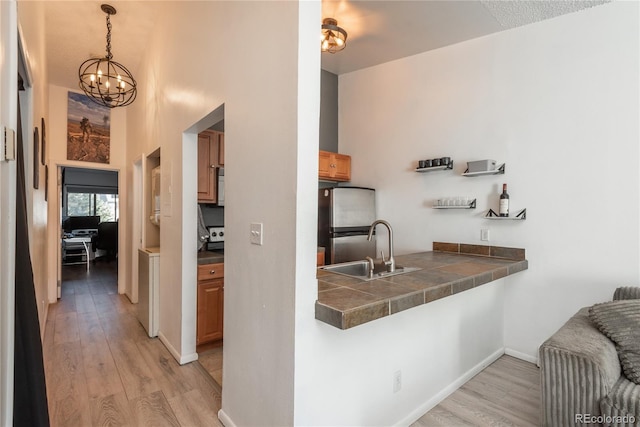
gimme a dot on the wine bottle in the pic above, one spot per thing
(504, 202)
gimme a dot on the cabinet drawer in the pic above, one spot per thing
(210, 271)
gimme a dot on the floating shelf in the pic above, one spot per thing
(498, 171)
(522, 215)
(471, 205)
(436, 168)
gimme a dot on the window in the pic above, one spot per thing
(88, 204)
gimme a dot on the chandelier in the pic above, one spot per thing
(104, 80)
(333, 38)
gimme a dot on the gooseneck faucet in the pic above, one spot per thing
(391, 262)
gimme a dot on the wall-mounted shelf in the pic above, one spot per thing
(436, 168)
(522, 215)
(470, 205)
(498, 171)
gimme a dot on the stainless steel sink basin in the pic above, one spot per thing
(360, 270)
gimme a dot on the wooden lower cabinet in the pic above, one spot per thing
(210, 303)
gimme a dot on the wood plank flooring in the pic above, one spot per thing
(211, 361)
(103, 370)
(506, 393)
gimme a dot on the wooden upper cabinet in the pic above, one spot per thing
(334, 166)
(209, 158)
(221, 149)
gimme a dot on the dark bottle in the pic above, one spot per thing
(504, 202)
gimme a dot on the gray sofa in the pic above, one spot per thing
(581, 378)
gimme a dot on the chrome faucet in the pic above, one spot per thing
(391, 262)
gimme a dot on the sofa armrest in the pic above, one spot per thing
(578, 367)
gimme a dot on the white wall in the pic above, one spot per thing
(203, 55)
(35, 98)
(558, 102)
(57, 142)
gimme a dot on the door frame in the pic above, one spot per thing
(137, 229)
(55, 287)
(8, 171)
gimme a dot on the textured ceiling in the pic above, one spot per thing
(511, 14)
(379, 30)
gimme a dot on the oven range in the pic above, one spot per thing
(216, 238)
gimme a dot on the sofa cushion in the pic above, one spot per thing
(620, 322)
(623, 401)
(626, 292)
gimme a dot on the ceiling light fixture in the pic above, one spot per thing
(104, 80)
(333, 38)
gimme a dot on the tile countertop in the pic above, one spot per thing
(210, 257)
(345, 302)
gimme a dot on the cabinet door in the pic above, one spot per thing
(207, 162)
(221, 149)
(334, 166)
(342, 169)
(324, 165)
(210, 310)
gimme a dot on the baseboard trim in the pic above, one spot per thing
(443, 394)
(175, 353)
(522, 356)
(225, 419)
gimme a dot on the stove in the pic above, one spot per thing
(216, 238)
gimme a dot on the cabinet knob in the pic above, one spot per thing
(212, 166)
(212, 272)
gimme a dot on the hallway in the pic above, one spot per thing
(102, 369)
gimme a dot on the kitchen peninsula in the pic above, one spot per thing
(451, 268)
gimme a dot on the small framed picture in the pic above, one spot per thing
(46, 181)
(44, 142)
(36, 159)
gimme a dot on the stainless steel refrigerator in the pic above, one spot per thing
(344, 217)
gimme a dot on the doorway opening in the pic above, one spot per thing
(89, 214)
(208, 150)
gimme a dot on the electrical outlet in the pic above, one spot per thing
(256, 233)
(397, 381)
(484, 234)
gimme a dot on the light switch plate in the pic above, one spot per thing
(256, 233)
(8, 151)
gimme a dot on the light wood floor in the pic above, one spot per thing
(102, 369)
(211, 361)
(506, 393)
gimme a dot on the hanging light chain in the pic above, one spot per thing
(109, 54)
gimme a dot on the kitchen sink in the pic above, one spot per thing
(360, 270)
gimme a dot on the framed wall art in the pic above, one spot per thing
(43, 138)
(88, 130)
(36, 159)
(46, 182)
